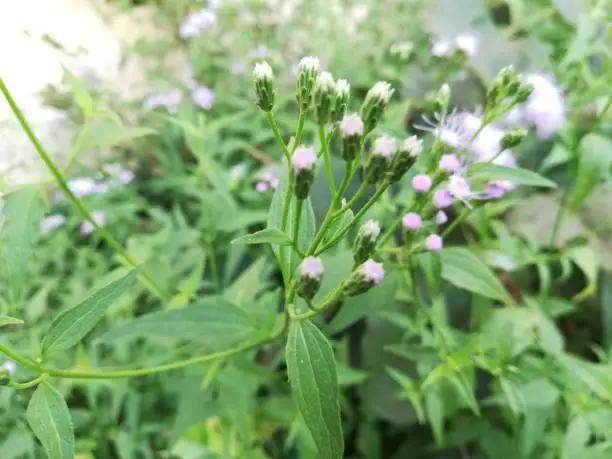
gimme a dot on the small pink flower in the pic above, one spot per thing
(450, 163)
(421, 183)
(442, 199)
(373, 271)
(304, 158)
(495, 190)
(273, 183)
(261, 187)
(311, 267)
(351, 125)
(385, 146)
(412, 221)
(441, 217)
(433, 243)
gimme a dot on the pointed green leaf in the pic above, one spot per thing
(72, 325)
(80, 93)
(49, 419)
(6, 320)
(265, 236)
(516, 175)
(313, 377)
(593, 166)
(465, 270)
(22, 211)
(213, 322)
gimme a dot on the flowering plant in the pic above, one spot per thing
(356, 290)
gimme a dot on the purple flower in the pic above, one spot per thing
(203, 97)
(412, 221)
(196, 22)
(421, 183)
(433, 243)
(373, 272)
(303, 159)
(351, 125)
(441, 217)
(495, 190)
(385, 146)
(51, 222)
(98, 216)
(450, 163)
(311, 267)
(261, 187)
(442, 199)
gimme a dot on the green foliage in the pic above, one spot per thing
(189, 339)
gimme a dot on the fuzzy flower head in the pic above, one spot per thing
(261, 187)
(459, 187)
(545, 108)
(441, 217)
(351, 125)
(325, 82)
(9, 366)
(309, 64)
(412, 221)
(468, 43)
(82, 186)
(373, 272)
(99, 217)
(203, 97)
(442, 199)
(372, 228)
(385, 146)
(303, 159)
(311, 267)
(381, 91)
(170, 100)
(263, 71)
(51, 222)
(441, 48)
(450, 163)
(413, 146)
(197, 22)
(448, 128)
(433, 242)
(421, 183)
(343, 88)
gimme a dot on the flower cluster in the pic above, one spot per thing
(267, 180)
(194, 24)
(466, 43)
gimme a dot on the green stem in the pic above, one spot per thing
(326, 157)
(331, 211)
(356, 197)
(325, 305)
(214, 270)
(76, 202)
(117, 374)
(29, 384)
(383, 187)
(462, 216)
(296, 222)
(299, 132)
(277, 134)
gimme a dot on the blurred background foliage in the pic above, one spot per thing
(466, 379)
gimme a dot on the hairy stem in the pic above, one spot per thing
(327, 158)
(76, 202)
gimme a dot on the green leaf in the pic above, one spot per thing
(576, 439)
(593, 166)
(312, 374)
(23, 210)
(587, 261)
(516, 175)
(513, 396)
(49, 419)
(72, 325)
(106, 133)
(6, 320)
(213, 322)
(265, 236)
(80, 93)
(410, 391)
(465, 270)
